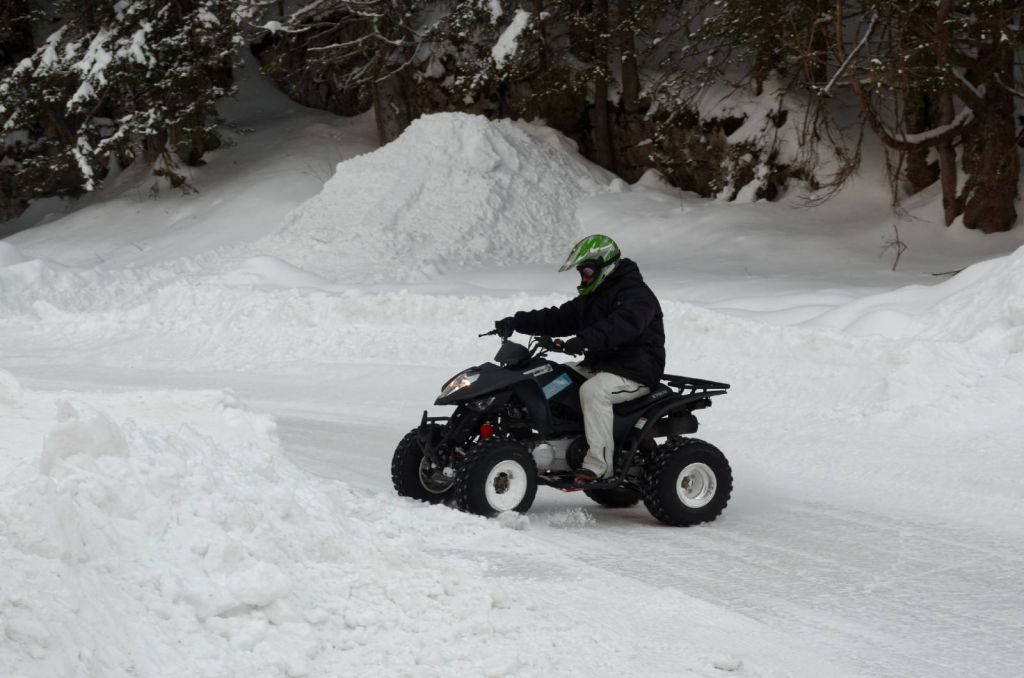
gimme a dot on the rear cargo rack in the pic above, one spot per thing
(692, 386)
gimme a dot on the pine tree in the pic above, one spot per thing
(116, 82)
(925, 75)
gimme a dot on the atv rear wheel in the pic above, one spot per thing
(498, 475)
(617, 497)
(413, 475)
(687, 481)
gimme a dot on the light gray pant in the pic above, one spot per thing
(597, 395)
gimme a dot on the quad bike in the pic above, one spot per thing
(518, 424)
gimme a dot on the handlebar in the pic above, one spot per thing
(546, 343)
(554, 345)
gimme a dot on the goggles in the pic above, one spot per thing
(588, 270)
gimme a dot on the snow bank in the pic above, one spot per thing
(453, 190)
(159, 534)
(9, 255)
(10, 388)
(983, 302)
(270, 273)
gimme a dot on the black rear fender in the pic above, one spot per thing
(643, 419)
(672, 415)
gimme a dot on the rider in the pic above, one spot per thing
(618, 327)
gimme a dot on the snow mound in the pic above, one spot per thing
(10, 388)
(271, 273)
(168, 535)
(984, 302)
(10, 255)
(81, 431)
(453, 190)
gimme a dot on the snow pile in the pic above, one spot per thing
(271, 273)
(9, 255)
(172, 538)
(453, 190)
(10, 388)
(42, 289)
(984, 301)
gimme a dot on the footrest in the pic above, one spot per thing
(567, 482)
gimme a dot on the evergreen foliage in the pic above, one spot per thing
(87, 84)
(115, 81)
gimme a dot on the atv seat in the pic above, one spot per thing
(643, 402)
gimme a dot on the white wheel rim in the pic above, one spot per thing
(433, 479)
(696, 485)
(506, 485)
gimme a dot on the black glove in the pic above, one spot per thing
(574, 346)
(505, 327)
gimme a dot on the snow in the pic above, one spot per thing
(200, 396)
(494, 7)
(9, 255)
(136, 50)
(96, 59)
(171, 519)
(454, 190)
(49, 53)
(508, 41)
(964, 116)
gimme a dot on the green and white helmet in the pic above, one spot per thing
(595, 257)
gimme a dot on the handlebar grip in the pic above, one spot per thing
(550, 344)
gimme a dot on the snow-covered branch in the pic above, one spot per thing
(853, 53)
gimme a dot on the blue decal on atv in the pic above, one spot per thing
(556, 386)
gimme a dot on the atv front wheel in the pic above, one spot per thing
(498, 475)
(687, 481)
(414, 475)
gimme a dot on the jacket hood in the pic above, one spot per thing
(626, 268)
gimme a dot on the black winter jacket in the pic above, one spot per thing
(620, 324)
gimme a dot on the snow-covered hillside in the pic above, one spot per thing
(200, 396)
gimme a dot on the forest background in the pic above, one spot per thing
(731, 99)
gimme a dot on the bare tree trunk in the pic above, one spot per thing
(391, 107)
(919, 116)
(627, 46)
(538, 11)
(947, 154)
(601, 122)
(990, 151)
